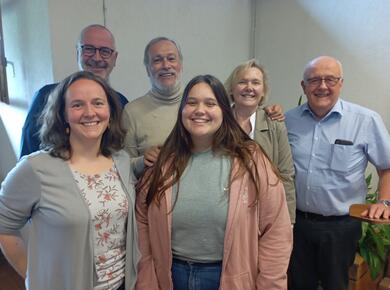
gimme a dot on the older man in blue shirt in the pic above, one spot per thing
(332, 141)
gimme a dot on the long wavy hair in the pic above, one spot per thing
(53, 133)
(229, 140)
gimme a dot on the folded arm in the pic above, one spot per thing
(14, 250)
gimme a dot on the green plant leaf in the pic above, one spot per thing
(368, 181)
(375, 240)
(376, 267)
(300, 100)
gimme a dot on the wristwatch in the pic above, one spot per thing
(385, 202)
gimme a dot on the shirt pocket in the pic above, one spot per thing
(344, 157)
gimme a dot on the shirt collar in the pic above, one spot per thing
(336, 110)
(253, 124)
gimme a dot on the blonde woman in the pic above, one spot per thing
(247, 87)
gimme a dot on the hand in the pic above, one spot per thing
(151, 155)
(275, 112)
(377, 211)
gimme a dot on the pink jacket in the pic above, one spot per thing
(258, 238)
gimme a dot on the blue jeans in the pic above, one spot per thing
(195, 276)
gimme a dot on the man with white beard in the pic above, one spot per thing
(150, 118)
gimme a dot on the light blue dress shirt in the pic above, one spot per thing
(329, 177)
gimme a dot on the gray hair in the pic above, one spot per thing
(99, 26)
(158, 39)
(314, 61)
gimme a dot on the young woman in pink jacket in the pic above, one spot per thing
(212, 211)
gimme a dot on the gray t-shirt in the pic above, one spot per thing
(200, 213)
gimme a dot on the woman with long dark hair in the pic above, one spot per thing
(211, 212)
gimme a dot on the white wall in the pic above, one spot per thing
(7, 158)
(66, 20)
(211, 38)
(26, 43)
(291, 32)
(214, 36)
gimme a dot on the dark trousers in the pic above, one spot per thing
(324, 249)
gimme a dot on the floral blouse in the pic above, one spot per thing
(108, 206)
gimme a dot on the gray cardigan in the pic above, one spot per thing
(41, 189)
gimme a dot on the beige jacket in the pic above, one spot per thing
(258, 238)
(272, 137)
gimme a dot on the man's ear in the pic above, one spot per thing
(303, 85)
(77, 54)
(341, 83)
(147, 70)
(115, 57)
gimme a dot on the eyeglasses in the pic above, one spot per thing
(329, 81)
(90, 50)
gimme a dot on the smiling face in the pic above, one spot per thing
(201, 116)
(87, 112)
(248, 91)
(322, 96)
(97, 37)
(164, 68)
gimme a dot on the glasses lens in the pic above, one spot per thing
(88, 50)
(331, 81)
(105, 52)
(314, 81)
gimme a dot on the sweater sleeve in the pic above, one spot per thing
(19, 196)
(147, 278)
(131, 137)
(286, 168)
(137, 160)
(275, 238)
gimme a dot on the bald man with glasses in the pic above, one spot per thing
(332, 141)
(96, 52)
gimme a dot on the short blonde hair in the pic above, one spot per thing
(232, 80)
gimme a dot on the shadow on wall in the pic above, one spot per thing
(7, 154)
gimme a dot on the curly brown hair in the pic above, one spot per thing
(53, 134)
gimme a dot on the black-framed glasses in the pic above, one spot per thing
(90, 50)
(330, 81)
